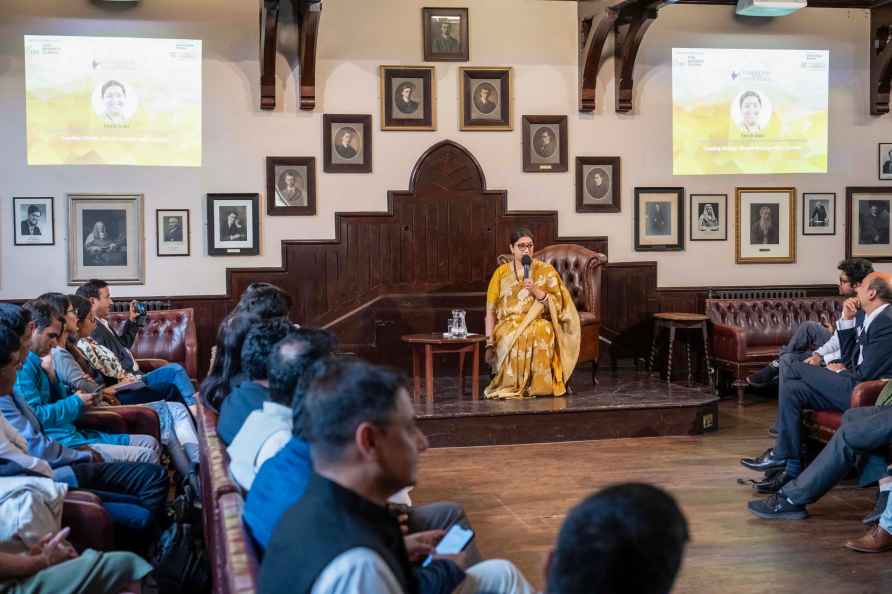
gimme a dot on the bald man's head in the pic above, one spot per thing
(875, 290)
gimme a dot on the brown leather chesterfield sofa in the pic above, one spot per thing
(169, 336)
(820, 425)
(747, 333)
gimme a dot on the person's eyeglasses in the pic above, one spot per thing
(524, 246)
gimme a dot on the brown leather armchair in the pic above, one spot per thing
(91, 525)
(580, 269)
(168, 336)
(135, 420)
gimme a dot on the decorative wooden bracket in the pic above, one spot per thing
(593, 42)
(629, 32)
(306, 13)
(880, 59)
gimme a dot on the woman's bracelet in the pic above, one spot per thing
(544, 298)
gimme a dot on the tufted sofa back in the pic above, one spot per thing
(168, 334)
(771, 322)
(580, 269)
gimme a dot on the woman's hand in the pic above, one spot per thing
(534, 290)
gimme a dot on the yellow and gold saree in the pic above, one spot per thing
(536, 343)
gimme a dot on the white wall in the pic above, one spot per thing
(538, 38)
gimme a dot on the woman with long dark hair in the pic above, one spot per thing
(226, 371)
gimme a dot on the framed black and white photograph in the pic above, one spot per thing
(544, 143)
(485, 99)
(233, 224)
(408, 98)
(346, 143)
(172, 232)
(291, 185)
(765, 226)
(106, 238)
(33, 221)
(884, 164)
(818, 213)
(867, 223)
(445, 34)
(659, 219)
(597, 184)
(709, 217)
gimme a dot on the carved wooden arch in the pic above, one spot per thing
(442, 235)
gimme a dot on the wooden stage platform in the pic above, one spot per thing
(629, 403)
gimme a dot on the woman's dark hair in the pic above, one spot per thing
(14, 317)
(856, 269)
(81, 307)
(228, 361)
(520, 232)
(9, 344)
(259, 344)
(265, 301)
(748, 94)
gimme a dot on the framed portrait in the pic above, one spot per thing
(106, 238)
(884, 162)
(172, 232)
(485, 98)
(291, 185)
(659, 219)
(233, 224)
(818, 213)
(33, 221)
(709, 217)
(346, 143)
(408, 98)
(597, 184)
(445, 34)
(867, 223)
(765, 226)
(544, 143)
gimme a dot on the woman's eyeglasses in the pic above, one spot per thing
(523, 246)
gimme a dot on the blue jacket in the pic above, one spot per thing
(876, 349)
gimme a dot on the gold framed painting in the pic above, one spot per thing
(765, 227)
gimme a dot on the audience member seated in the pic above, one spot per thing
(97, 293)
(626, 538)
(57, 412)
(264, 300)
(812, 341)
(226, 370)
(879, 538)
(252, 393)
(133, 493)
(266, 431)
(340, 537)
(866, 356)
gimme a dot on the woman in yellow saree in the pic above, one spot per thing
(532, 327)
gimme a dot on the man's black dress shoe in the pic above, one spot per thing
(878, 508)
(765, 376)
(773, 484)
(777, 507)
(763, 462)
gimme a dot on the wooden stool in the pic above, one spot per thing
(681, 321)
(434, 344)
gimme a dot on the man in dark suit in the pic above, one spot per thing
(865, 356)
(763, 229)
(29, 226)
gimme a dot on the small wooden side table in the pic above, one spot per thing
(435, 344)
(681, 321)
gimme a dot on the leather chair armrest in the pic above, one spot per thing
(866, 393)
(728, 342)
(102, 420)
(91, 525)
(147, 365)
(141, 420)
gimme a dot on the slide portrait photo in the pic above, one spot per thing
(33, 221)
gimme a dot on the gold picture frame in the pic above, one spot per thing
(408, 96)
(765, 225)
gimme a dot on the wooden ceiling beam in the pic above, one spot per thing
(306, 14)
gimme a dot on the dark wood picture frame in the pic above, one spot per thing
(506, 98)
(613, 191)
(391, 120)
(273, 208)
(365, 122)
(427, 17)
(806, 217)
(50, 223)
(695, 220)
(851, 192)
(251, 201)
(533, 120)
(678, 194)
(880, 175)
(187, 232)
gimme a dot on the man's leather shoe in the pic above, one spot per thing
(763, 462)
(878, 508)
(773, 483)
(876, 540)
(777, 507)
(765, 376)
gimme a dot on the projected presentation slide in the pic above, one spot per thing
(113, 101)
(749, 111)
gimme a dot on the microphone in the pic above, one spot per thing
(527, 262)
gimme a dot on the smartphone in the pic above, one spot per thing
(453, 543)
(141, 309)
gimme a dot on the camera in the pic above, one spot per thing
(141, 309)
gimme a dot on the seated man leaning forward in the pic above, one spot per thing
(814, 342)
(532, 326)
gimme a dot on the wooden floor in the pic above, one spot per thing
(517, 495)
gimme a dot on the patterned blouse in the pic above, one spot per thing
(103, 360)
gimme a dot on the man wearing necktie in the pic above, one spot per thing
(830, 388)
